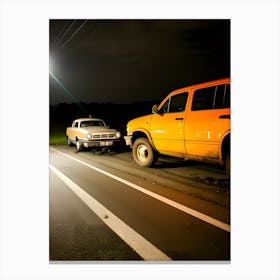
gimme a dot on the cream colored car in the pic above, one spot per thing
(91, 132)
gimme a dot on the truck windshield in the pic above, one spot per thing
(92, 123)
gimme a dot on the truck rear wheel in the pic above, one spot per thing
(143, 152)
(227, 164)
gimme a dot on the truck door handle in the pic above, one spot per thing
(224, 117)
(179, 119)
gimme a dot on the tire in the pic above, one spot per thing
(79, 146)
(70, 144)
(227, 165)
(143, 152)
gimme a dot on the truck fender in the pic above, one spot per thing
(143, 133)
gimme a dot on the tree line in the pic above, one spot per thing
(114, 115)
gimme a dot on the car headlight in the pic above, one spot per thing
(89, 136)
(118, 134)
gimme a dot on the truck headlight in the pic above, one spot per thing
(118, 134)
(89, 136)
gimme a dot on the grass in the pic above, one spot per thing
(57, 136)
(58, 140)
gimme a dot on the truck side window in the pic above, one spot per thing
(217, 97)
(76, 124)
(203, 99)
(165, 107)
(175, 104)
(178, 103)
(222, 99)
(227, 97)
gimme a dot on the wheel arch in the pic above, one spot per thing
(225, 147)
(141, 133)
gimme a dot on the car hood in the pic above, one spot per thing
(98, 129)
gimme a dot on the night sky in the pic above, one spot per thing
(127, 61)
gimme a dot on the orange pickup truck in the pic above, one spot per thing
(191, 123)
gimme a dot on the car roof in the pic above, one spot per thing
(88, 119)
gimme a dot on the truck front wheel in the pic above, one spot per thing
(143, 152)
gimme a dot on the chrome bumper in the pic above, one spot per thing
(128, 140)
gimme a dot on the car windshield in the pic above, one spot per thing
(92, 123)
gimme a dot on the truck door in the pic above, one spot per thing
(208, 120)
(167, 127)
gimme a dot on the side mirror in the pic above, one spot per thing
(154, 109)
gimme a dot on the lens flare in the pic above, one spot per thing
(68, 92)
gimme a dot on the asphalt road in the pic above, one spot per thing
(104, 207)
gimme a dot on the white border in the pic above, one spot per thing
(255, 158)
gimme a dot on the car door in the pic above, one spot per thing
(167, 126)
(208, 120)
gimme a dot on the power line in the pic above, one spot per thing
(73, 34)
(54, 41)
(73, 22)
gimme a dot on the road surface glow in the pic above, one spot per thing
(183, 208)
(142, 246)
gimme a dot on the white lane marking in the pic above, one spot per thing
(181, 207)
(137, 242)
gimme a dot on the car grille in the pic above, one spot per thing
(104, 136)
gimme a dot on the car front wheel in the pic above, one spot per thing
(79, 146)
(143, 152)
(69, 142)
